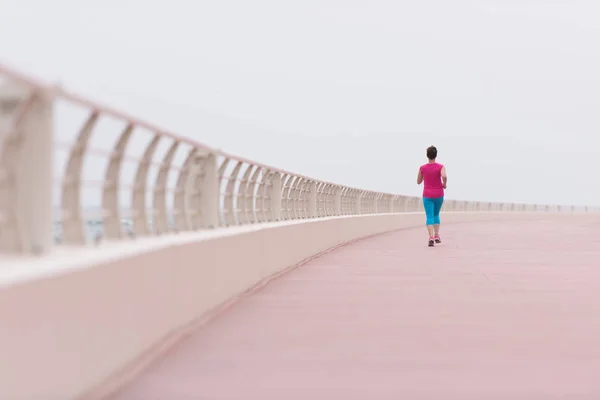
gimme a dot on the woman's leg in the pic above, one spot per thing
(436, 215)
(429, 206)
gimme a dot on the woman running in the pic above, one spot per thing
(434, 176)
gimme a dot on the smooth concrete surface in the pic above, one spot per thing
(67, 333)
(500, 311)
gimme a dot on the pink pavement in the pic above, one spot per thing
(500, 310)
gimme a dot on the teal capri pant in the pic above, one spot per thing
(432, 209)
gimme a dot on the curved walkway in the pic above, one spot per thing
(498, 311)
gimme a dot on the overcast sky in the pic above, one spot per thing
(348, 91)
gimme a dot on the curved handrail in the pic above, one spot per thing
(190, 186)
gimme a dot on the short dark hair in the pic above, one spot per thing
(431, 152)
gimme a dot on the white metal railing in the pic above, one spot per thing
(73, 171)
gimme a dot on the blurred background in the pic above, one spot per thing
(346, 91)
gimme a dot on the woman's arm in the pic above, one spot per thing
(444, 177)
(419, 177)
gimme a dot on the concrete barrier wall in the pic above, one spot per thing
(66, 334)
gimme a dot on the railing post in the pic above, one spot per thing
(312, 200)
(358, 204)
(210, 191)
(205, 194)
(337, 201)
(275, 190)
(26, 169)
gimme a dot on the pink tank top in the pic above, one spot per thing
(432, 180)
